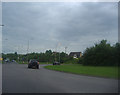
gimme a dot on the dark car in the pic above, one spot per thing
(13, 61)
(34, 64)
(56, 63)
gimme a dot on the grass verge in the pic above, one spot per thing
(20, 62)
(100, 71)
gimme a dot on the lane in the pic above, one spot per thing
(0, 77)
(18, 79)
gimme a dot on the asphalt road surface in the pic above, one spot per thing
(0, 77)
(17, 78)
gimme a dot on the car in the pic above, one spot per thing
(13, 61)
(7, 60)
(56, 63)
(34, 64)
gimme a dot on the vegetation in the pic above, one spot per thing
(101, 71)
(20, 62)
(47, 57)
(102, 54)
(101, 60)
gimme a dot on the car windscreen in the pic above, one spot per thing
(34, 61)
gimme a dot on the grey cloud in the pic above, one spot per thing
(77, 25)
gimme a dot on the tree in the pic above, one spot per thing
(102, 54)
(117, 53)
(15, 53)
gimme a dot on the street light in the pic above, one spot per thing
(28, 47)
(1, 25)
(4, 41)
(66, 50)
(56, 51)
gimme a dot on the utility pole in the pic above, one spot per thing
(59, 56)
(55, 53)
(18, 54)
(27, 49)
(59, 51)
(65, 50)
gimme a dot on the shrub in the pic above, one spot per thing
(102, 54)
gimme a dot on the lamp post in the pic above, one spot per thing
(28, 45)
(56, 52)
(1, 25)
(4, 44)
(27, 50)
(1, 30)
(59, 51)
(65, 50)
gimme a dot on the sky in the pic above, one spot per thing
(55, 25)
(0, 29)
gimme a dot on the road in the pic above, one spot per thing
(17, 78)
(0, 77)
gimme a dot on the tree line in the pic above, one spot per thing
(48, 56)
(101, 54)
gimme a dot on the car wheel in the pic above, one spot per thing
(37, 67)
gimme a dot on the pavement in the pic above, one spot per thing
(17, 78)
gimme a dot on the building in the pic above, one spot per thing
(75, 54)
(1, 58)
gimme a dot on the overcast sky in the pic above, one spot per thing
(57, 25)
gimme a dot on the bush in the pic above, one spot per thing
(102, 54)
(72, 61)
(80, 61)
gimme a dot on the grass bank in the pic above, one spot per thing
(101, 71)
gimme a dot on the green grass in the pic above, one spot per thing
(101, 71)
(20, 62)
(45, 63)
